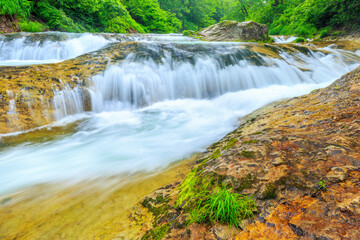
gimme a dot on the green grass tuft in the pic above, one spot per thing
(223, 206)
(322, 185)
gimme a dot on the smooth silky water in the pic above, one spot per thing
(158, 106)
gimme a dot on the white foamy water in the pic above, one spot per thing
(284, 39)
(52, 47)
(26, 49)
(161, 105)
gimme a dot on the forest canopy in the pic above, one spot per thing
(285, 17)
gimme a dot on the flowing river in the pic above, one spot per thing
(161, 104)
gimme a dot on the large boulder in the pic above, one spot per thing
(235, 31)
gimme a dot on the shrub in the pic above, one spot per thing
(29, 26)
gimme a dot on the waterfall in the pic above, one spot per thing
(161, 72)
(170, 97)
(48, 47)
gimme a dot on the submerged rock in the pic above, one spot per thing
(235, 31)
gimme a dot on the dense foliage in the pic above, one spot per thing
(154, 19)
(15, 7)
(301, 17)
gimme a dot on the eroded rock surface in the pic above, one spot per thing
(235, 31)
(27, 92)
(299, 158)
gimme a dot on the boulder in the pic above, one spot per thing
(235, 31)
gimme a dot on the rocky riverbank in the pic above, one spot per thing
(299, 159)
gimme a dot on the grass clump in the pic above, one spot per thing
(206, 200)
(223, 206)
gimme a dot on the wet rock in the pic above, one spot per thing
(277, 161)
(339, 174)
(235, 31)
(297, 230)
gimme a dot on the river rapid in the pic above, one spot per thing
(154, 108)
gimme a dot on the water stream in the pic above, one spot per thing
(156, 107)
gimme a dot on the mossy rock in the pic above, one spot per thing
(236, 32)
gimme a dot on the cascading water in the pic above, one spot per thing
(162, 103)
(25, 48)
(20, 49)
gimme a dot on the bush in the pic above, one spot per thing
(57, 19)
(29, 26)
(86, 15)
(299, 40)
(153, 19)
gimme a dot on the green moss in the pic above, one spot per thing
(248, 154)
(157, 233)
(216, 154)
(157, 206)
(189, 33)
(270, 191)
(199, 37)
(247, 182)
(227, 23)
(231, 143)
(304, 172)
(160, 232)
(250, 141)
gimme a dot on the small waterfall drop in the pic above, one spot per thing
(161, 72)
(170, 97)
(42, 48)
